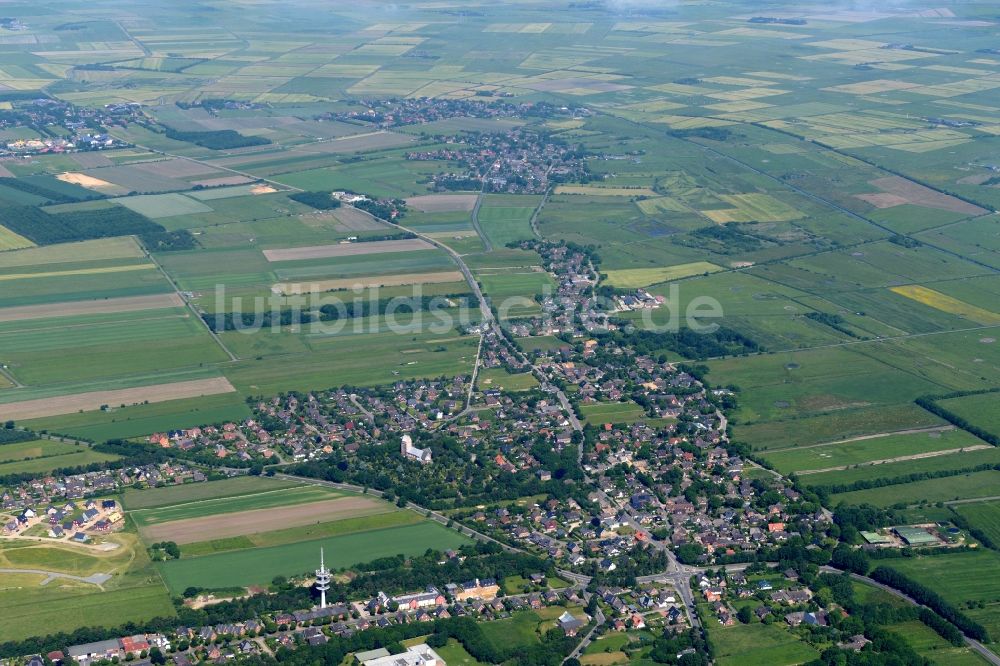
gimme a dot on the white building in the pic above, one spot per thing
(422, 456)
(418, 655)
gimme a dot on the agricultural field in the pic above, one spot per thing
(44, 455)
(979, 410)
(832, 187)
(984, 516)
(612, 412)
(132, 590)
(224, 526)
(962, 579)
(758, 645)
(872, 449)
(241, 568)
(973, 485)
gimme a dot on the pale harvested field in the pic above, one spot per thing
(262, 189)
(356, 143)
(346, 249)
(177, 168)
(443, 203)
(225, 180)
(82, 271)
(228, 525)
(368, 282)
(353, 219)
(83, 180)
(104, 306)
(69, 404)
(919, 195)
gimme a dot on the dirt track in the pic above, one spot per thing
(105, 306)
(69, 404)
(346, 249)
(262, 520)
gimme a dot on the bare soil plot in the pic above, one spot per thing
(93, 400)
(907, 192)
(346, 249)
(104, 306)
(443, 203)
(5, 172)
(83, 180)
(368, 282)
(254, 521)
(883, 199)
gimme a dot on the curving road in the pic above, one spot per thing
(97, 579)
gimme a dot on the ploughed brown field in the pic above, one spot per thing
(222, 526)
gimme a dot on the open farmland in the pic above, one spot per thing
(134, 591)
(960, 578)
(236, 522)
(871, 449)
(105, 306)
(973, 485)
(827, 173)
(44, 455)
(346, 250)
(67, 404)
(260, 565)
(214, 506)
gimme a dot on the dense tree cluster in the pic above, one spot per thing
(217, 139)
(47, 228)
(317, 200)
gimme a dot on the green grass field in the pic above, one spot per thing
(950, 461)
(139, 420)
(758, 645)
(212, 490)
(929, 644)
(982, 515)
(825, 456)
(966, 486)
(498, 378)
(505, 219)
(841, 424)
(44, 455)
(960, 578)
(979, 410)
(378, 521)
(613, 412)
(260, 565)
